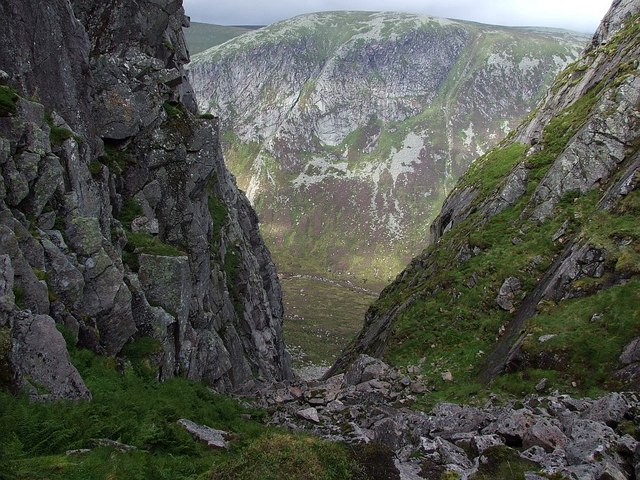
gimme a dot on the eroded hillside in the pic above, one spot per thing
(348, 129)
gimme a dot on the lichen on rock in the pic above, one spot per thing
(105, 186)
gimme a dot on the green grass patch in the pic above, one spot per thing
(59, 135)
(143, 242)
(278, 456)
(8, 99)
(489, 170)
(140, 354)
(503, 463)
(129, 212)
(179, 121)
(321, 317)
(5, 353)
(173, 110)
(116, 159)
(219, 212)
(138, 411)
(588, 346)
(95, 167)
(141, 348)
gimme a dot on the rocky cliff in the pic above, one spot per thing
(119, 223)
(532, 271)
(348, 129)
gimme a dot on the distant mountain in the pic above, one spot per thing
(348, 129)
(533, 271)
(201, 36)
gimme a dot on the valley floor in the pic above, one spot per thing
(321, 317)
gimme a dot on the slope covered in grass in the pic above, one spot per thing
(553, 208)
(131, 407)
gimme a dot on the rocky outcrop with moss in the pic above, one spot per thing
(532, 272)
(119, 222)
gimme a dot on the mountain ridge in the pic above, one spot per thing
(353, 111)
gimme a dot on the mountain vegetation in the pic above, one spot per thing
(202, 36)
(375, 114)
(532, 269)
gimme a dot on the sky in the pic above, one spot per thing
(579, 15)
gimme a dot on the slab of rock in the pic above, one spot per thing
(335, 406)
(631, 353)
(480, 443)
(512, 426)
(390, 432)
(40, 360)
(310, 414)
(107, 442)
(77, 452)
(7, 300)
(366, 368)
(452, 454)
(508, 291)
(212, 437)
(588, 440)
(448, 419)
(610, 409)
(546, 434)
(610, 471)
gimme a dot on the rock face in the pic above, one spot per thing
(118, 218)
(553, 210)
(373, 114)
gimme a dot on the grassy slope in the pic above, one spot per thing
(130, 406)
(453, 323)
(201, 36)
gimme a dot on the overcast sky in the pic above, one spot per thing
(579, 15)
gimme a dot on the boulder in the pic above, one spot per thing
(365, 368)
(588, 441)
(544, 433)
(448, 419)
(479, 443)
(610, 409)
(7, 299)
(40, 360)
(510, 288)
(213, 438)
(631, 352)
(512, 425)
(310, 414)
(390, 432)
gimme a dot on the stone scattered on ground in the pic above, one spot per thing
(580, 439)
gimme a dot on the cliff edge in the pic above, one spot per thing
(119, 223)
